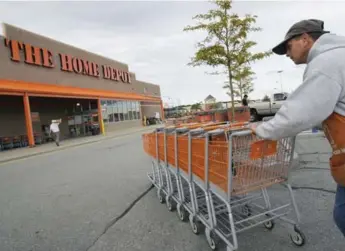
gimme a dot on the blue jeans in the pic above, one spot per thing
(339, 209)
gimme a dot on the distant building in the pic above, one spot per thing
(208, 102)
(210, 99)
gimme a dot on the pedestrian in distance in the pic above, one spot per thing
(55, 130)
(245, 100)
(320, 99)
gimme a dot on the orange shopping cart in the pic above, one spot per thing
(218, 176)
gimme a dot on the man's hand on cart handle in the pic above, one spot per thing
(252, 127)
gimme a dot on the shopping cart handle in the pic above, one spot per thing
(182, 130)
(241, 133)
(196, 131)
(216, 131)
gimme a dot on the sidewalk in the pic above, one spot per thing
(22, 153)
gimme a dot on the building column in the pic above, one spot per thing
(28, 121)
(141, 114)
(162, 111)
(100, 117)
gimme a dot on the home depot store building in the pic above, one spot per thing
(42, 79)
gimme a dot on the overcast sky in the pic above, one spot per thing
(149, 37)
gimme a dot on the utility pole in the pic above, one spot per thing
(281, 79)
(280, 72)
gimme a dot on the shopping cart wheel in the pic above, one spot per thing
(170, 203)
(269, 224)
(181, 212)
(160, 196)
(195, 224)
(212, 238)
(297, 237)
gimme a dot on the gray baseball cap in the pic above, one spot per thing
(299, 28)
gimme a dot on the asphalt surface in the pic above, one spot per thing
(96, 198)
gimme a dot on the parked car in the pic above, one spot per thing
(267, 108)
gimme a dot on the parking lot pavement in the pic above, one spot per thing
(150, 226)
(82, 199)
(62, 201)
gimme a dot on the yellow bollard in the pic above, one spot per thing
(102, 127)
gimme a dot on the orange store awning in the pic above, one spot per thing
(9, 87)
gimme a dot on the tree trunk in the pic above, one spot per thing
(232, 95)
(241, 89)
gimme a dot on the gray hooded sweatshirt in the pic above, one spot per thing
(321, 93)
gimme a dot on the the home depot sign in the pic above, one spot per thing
(42, 57)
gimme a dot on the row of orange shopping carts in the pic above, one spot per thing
(217, 175)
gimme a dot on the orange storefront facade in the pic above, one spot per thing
(42, 79)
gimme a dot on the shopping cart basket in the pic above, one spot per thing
(220, 178)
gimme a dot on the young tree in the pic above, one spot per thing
(217, 105)
(242, 82)
(196, 107)
(266, 98)
(226, 45)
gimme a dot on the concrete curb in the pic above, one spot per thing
(61, 148)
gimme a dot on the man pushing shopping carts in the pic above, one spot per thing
(320, 98)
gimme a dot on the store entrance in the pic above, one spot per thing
(79, 117)
(83, 122)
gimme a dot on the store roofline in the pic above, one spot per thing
(14, 87)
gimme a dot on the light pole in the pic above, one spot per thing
(168, 100)
(281, 79)
(280, 72)
(173, 102)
